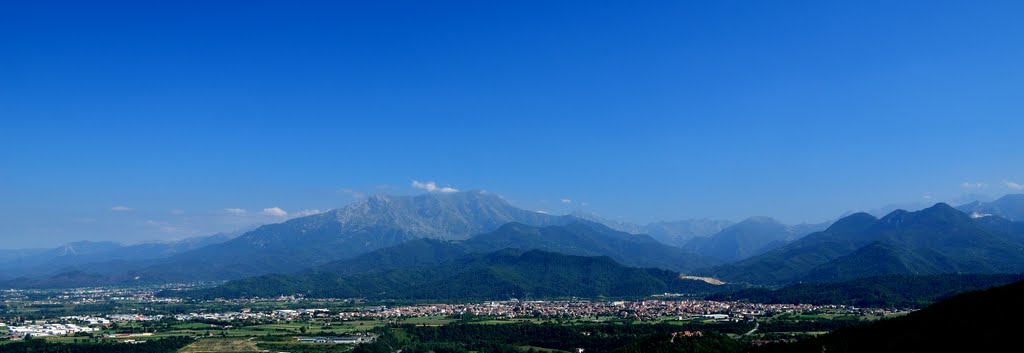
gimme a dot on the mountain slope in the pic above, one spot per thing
(1010, 207)
(582, 238)
(410, 254)
(788, 263)
(747, 238)
(890, 291)
(374, 223)
(938, 239)
(589, 239)
(498, 275)
(96, 256)
(674, 233)
(677, 233)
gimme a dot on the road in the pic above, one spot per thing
(756, 325)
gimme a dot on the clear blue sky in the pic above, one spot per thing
(146, 120)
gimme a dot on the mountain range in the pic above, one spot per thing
(939, 239)
(388, 233)
(306, 242)
(750, 237)
(719, 239)
(675, 233)
(75, 255)
(381, 221)
(1010, 207)
(504, 274)
(936, 240)
(580, 238)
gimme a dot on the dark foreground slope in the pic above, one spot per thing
(980, 321)
(499, 275)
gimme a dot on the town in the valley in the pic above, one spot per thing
(135, 315)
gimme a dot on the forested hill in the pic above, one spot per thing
(499, 275)
(935, 240)
(902, 291)
(980, 321)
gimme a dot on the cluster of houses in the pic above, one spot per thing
(636, 310)
(41, 330)
(339, 340)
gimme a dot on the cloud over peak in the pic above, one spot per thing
(304, 213)
(1013, 186)
(431, 186)
(352, 193)
(274, 212)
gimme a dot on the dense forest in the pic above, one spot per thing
(164, 345)
(503, 274)
(905, 291)
(460, 337)
(979, 321)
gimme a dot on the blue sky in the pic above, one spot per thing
(131, 121)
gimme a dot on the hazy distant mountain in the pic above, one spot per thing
(675, 233)
(8, 255)
(678, 233)
(580, 237)
(74, 256)
(621, 226)
(499, 275)
(1010, 207)
(922, 204)
(753, 236)
(935, 240)
(376, 222)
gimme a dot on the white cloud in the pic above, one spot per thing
(235, 211)
(1013, 185)
(566, 200)
(304, 213)
(274, 212)
(542, 211)
(431, 186)
(974, 185)
(584, 204)
(177, 212)
(353, 193)
(120, 209)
